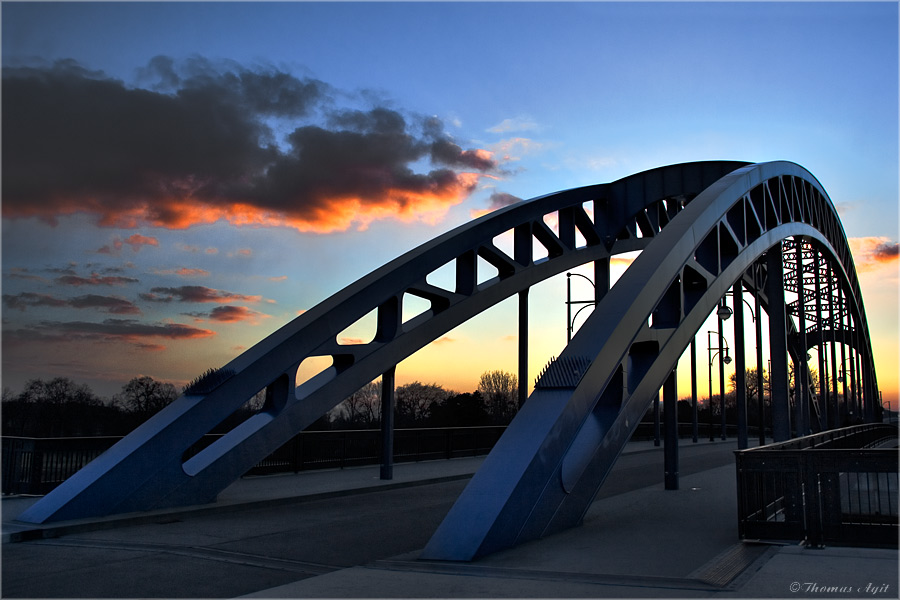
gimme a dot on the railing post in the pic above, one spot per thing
(812, 500)
(36, 479)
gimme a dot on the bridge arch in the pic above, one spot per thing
(700, 226)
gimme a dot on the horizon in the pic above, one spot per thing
(296, 147)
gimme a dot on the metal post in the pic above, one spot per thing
(801, 369)
(694, 425)
(760, 381)
(656, 432)
(722, 377)
(778, 373)
(523, 347)
(387, 423)
(670, 407)
(568, 307)
(823, 378)
(740, 380)
(709, 395)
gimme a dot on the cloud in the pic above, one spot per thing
(872, 253)
(235, 314)
(136, 241)
(114, 330)
(195, 293)
(183, 272)
(513, 149)
(110, 304)
(496, 201)
(517, 124)
(28, 300)
(94, 279)
(197, 146)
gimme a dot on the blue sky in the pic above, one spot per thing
(558, 95)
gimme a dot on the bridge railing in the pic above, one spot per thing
(34, 466)
(838, 487)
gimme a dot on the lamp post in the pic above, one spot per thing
(722, 353)
(570, 319)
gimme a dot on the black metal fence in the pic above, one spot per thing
(34, 466)
(839, 487)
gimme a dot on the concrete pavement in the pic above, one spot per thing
(638, 540)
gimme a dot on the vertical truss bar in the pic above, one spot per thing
(801, 385)
(523, 346)
(778, 374)
(760, 387)
(740, 364)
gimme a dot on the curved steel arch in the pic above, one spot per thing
(147, 469)
(544, 472)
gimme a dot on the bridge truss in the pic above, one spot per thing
(704, 230)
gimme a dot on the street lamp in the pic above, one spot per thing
(724, 357)
(570, 320)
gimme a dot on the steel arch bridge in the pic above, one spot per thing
(704, 230)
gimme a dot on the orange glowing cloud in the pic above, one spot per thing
(203, 161)
(873, 253)
(235, 314)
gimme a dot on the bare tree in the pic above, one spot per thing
(415, 401)
(362, 408)
(500, 390)
(146, 396)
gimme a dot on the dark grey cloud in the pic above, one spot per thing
(195, 293)
(195, 145)
(502, 199)
(111, 304)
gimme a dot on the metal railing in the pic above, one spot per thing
(34, 466)
(838, 487)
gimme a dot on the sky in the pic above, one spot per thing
(182, 179)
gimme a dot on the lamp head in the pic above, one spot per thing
(723, 312)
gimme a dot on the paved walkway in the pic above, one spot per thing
(646, 542)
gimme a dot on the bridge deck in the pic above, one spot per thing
(335, 534)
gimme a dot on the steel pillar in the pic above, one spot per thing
(523, 347)
(760, 378)
(740, 366)
(387, 423)
(670, 407)
(778, 374)
(695, 429)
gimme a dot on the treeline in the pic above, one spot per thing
(61, 407)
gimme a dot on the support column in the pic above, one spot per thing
(387, 423)
(760, 380)
(823, 369)
(523, 347)
(778, 374)
(740, 367)
(695, 426)
(801, 369)
(670, 408)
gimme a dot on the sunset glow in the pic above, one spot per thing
(174, 194)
